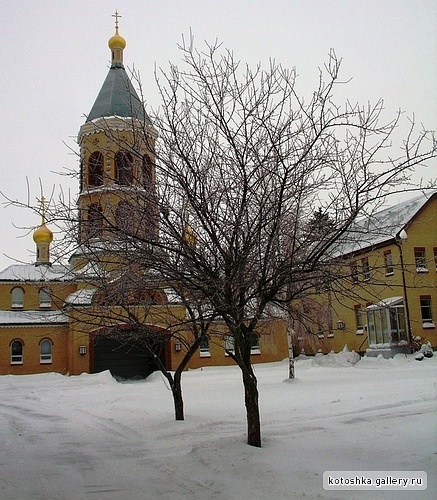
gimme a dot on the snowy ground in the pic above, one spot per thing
(90, 437)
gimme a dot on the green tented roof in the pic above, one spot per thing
(117, 97)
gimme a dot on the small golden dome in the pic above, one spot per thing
(116, 41)
(43, 235)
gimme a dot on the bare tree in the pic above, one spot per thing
(252, 160)
(245, 160)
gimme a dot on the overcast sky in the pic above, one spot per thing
(55, 59)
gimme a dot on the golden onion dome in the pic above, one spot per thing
(43, 235)
(116, 41)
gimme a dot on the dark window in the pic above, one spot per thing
(388, 260)
(95, 169)
(17, 352)
(359, 317)
(45, 350)
(95, 220)
(254, 344)
(124, 217)
(420, 259)
(147, 171)
(425, 308)
(366, 268)
(45, 299)
(204, 347)
(17, 298)
(354, 272)
(229, 343)
(123, 168)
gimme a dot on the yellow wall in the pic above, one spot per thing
(59, 292)
(422, 232)
(272, 342)
(31, 338)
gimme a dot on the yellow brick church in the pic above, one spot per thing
(54, 317)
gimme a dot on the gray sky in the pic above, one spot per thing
(55, 58)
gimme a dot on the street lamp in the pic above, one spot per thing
(400, 238)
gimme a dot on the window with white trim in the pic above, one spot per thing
(45, 299)
(426, 311)
(354, 272)
(388, 260)
(17, 298)
(365, 268)
(359, 319)
(45, 351)
(204, 348)
(16, 352)
(229, 344)
(420, 260)
(254, 344)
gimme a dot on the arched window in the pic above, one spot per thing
(204, 347)
(123, 168)
(17, 298)
(254, 344)
(95, 220)
(229, 344)
(16, 352)
(95, 169)
(147, 171)
(124, 217)
(45, 351)
(45, 299)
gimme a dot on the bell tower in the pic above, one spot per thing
(117, 152)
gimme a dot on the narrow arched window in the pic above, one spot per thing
(123, 168)
(17, 352)
(204, 347)
(95, 220)
(17, 298)
(45, 351)
(124, 217)
(45, 299)
(147, 171)
(95, 169)
(254, 344)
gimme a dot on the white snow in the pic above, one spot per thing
(32, 318)
(90, 437)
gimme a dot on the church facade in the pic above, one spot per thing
(77, 318)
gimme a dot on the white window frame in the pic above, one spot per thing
(204, 351)
(45, 358)
(229, 344)
(45, 299)
(420, 260)
(17, 302)
(254, 348)
(17, 359)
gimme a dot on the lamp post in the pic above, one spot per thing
(400, 238)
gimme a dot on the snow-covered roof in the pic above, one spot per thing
(40, 318)
(381, 226)
(390, 302)
(172, 296)
(31, 272)
(90, 270)
(82, 297)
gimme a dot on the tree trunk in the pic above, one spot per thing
(252, 408)
(177, 396)
(290, 353)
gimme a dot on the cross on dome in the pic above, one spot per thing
(116, 15)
